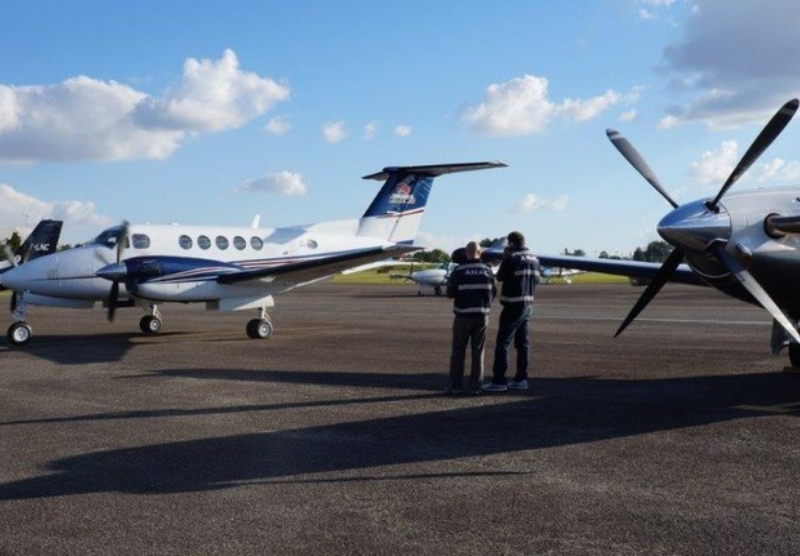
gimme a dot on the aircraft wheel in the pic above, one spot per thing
(19, 333)
(794, 355)
(150, 324)
(259, 329)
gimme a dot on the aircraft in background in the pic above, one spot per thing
(745, 244)
(224, 267)
(435, 278)
(550, 273)
(43, 240)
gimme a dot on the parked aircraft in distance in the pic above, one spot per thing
(550, 273)
(225, 268)
(435, 278)
(745, 244)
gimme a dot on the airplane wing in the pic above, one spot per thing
(319, 269)
(635, 269)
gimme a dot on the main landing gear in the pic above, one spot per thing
(260, 328)
(19, 333)
(151, 324)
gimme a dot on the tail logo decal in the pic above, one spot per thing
(403, 195)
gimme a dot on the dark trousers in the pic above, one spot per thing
(514, 325)
(468, 330)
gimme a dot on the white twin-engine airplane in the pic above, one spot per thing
(226, 268)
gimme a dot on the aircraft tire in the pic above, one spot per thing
(259, 329)
(150, 324)
(19, 334)
(794, 355)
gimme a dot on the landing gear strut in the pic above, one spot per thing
(260, 328)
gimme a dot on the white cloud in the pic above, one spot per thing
(85, 118)
(370, 130)
(402, 130)
(212, 96)
(282, 183)
(532, 203)
(278, 125)
(628, 116)
(334, 132)
(734, 82)
(521, 106)
(714, 167)
(19, 211)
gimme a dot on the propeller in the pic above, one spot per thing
(113, 296)
(717, 246)
(12, 258)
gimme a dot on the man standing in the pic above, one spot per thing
(472, 287)
(519, 272)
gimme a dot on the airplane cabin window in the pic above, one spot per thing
(239, 242)
(185, 242)
(222, 242)
(203, 242)
(256, 243)
(141, 241)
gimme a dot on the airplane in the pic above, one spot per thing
(43, 240)
(550, 273)
(435, 278)
(745, 244)
(226, 268)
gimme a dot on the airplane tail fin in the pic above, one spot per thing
(396, 212)
(43, 240)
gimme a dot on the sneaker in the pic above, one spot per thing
(518, 384)
(494, 387)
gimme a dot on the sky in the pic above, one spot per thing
(213, 113)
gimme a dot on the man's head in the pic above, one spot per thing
(516, 240)
(473, 250)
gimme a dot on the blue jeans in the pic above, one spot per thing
(514, 325)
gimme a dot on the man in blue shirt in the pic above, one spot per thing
(472, 287)
(519, 272)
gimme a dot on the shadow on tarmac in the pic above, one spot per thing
(555, 412)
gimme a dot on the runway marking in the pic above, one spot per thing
(778, 409)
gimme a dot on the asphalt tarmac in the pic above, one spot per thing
(679, 437)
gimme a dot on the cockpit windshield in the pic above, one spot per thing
(108, 238)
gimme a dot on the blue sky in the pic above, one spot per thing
(211, 113)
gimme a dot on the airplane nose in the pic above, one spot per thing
(692, 227)
(115, 272)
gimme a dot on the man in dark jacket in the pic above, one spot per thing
(519, 272)
(472, 287)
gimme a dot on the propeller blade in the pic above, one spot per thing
(653, 288)
(751, 285)
(771, 131)
(112, 300)
(9, 254)
(636, 160)
(122, 240)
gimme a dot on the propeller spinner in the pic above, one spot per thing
(704, 226)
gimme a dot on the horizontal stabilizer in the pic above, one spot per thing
(435, 169)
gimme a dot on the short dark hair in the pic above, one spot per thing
(516, 239)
